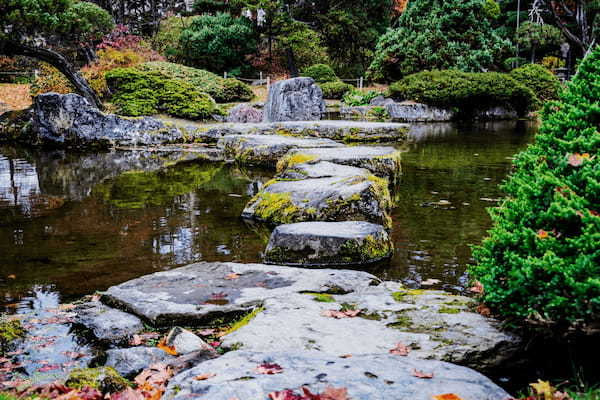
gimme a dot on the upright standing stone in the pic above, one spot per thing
(297, 99)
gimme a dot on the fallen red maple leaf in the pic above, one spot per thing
(447, 396)
(477, 287)
(421, 374)
(204, 377)
(340, 314)
(284, 395)
(269, 369)
(400, 350)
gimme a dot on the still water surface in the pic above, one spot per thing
(75, 223)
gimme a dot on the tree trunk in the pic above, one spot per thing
(58, 61)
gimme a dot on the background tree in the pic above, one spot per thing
(534, 37)
(33, 28)
(436, 34)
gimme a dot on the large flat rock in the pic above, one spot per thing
(435, 324)
(328, 244)
(108, 324)
(382, 161)
(368, 377)
(196, 293)
(348, 131)
(267, 149)
(337, 198)
(321, 169)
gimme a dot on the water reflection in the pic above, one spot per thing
(85, 222)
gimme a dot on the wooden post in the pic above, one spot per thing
(268, 84)
(361, 82)
(225, 74)
(260, 78)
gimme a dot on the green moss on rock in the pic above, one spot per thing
(105, 379)
(276, 208)
(289, 160)
(10, 330)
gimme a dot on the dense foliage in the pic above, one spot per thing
(166, 40)
(222, 90)
(436, 34)
(145, 93)
(355, 97)
(321, 73)
(217, 42)
(541, 38)
(542, 82)
(335, 90)
(466, 91)
(541, 262)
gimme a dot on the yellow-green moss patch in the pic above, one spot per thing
(245, 320)
(289, 160)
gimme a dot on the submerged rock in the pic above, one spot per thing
(338, 198)
(433, 324)
(196, 293)
(266, 149)
(296, 99)
(328, 243)
(382, 161)
(366, 377)
(130, 362)
(409, 111)
(107, 324)
(69, 119)
(244, 113)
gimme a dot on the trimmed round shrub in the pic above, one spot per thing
(234, 90)
(139, 93)
(541, 261)
(221, 90)
(466, 91)
(541, 81)
(335, 90)
(321, 73)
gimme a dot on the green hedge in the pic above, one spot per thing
(540, 80)
(335, 90)
(321, 73)
(541, 261)
(466, 91)
(222, 90)
(138, 93)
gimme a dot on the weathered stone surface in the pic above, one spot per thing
(266, 149)
(197, 292)
(380, 101)
(409, 111)
(328, 243)
(244, 113)
(321, 169)
(184, 341)
(435, 324)
(364, 113)
(131, 361)
(338, 198)
(4, 107)
(296, 99)
(382, 161)
(70, 119)
(108, 324)
(367, 377)
(348, 131)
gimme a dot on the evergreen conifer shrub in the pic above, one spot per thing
(541, 261)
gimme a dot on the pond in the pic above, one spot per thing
(72, 224)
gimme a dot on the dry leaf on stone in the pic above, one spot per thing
(127, 394)
(421, 374)
(269, 369)
(340, 314)
(232, 276)
(332, 393)
(447, 396)
(204, 377)
(400, 350)
(166, 348)
(476, 288)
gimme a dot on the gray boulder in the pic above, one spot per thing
(368, 377)
(244, 113)
(184, 341)
(296, 99)
(201, 291)
(71, 119)
(354, 198)
(266, 149)
(131, 361)
(108, 324)
(381, 161)
(328, 244)
(409, 111)
(380, 101)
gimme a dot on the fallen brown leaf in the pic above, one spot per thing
(204, 377)
(166, 348)
(400, 350)
(447, 396)
(477, 288)
(483, 310)
(421, 374)
(232, 276)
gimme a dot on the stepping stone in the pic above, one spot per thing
(366, 377)
(196, 293)
(321, 169)
(338, 198)
(266, 149)
(130, 362)
(328, 244)
(346, 131)
(382, 161)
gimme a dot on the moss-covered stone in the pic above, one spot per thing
(276, 208)
(290, 160)
(10, 330)
(105, 379)
(245, 320)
